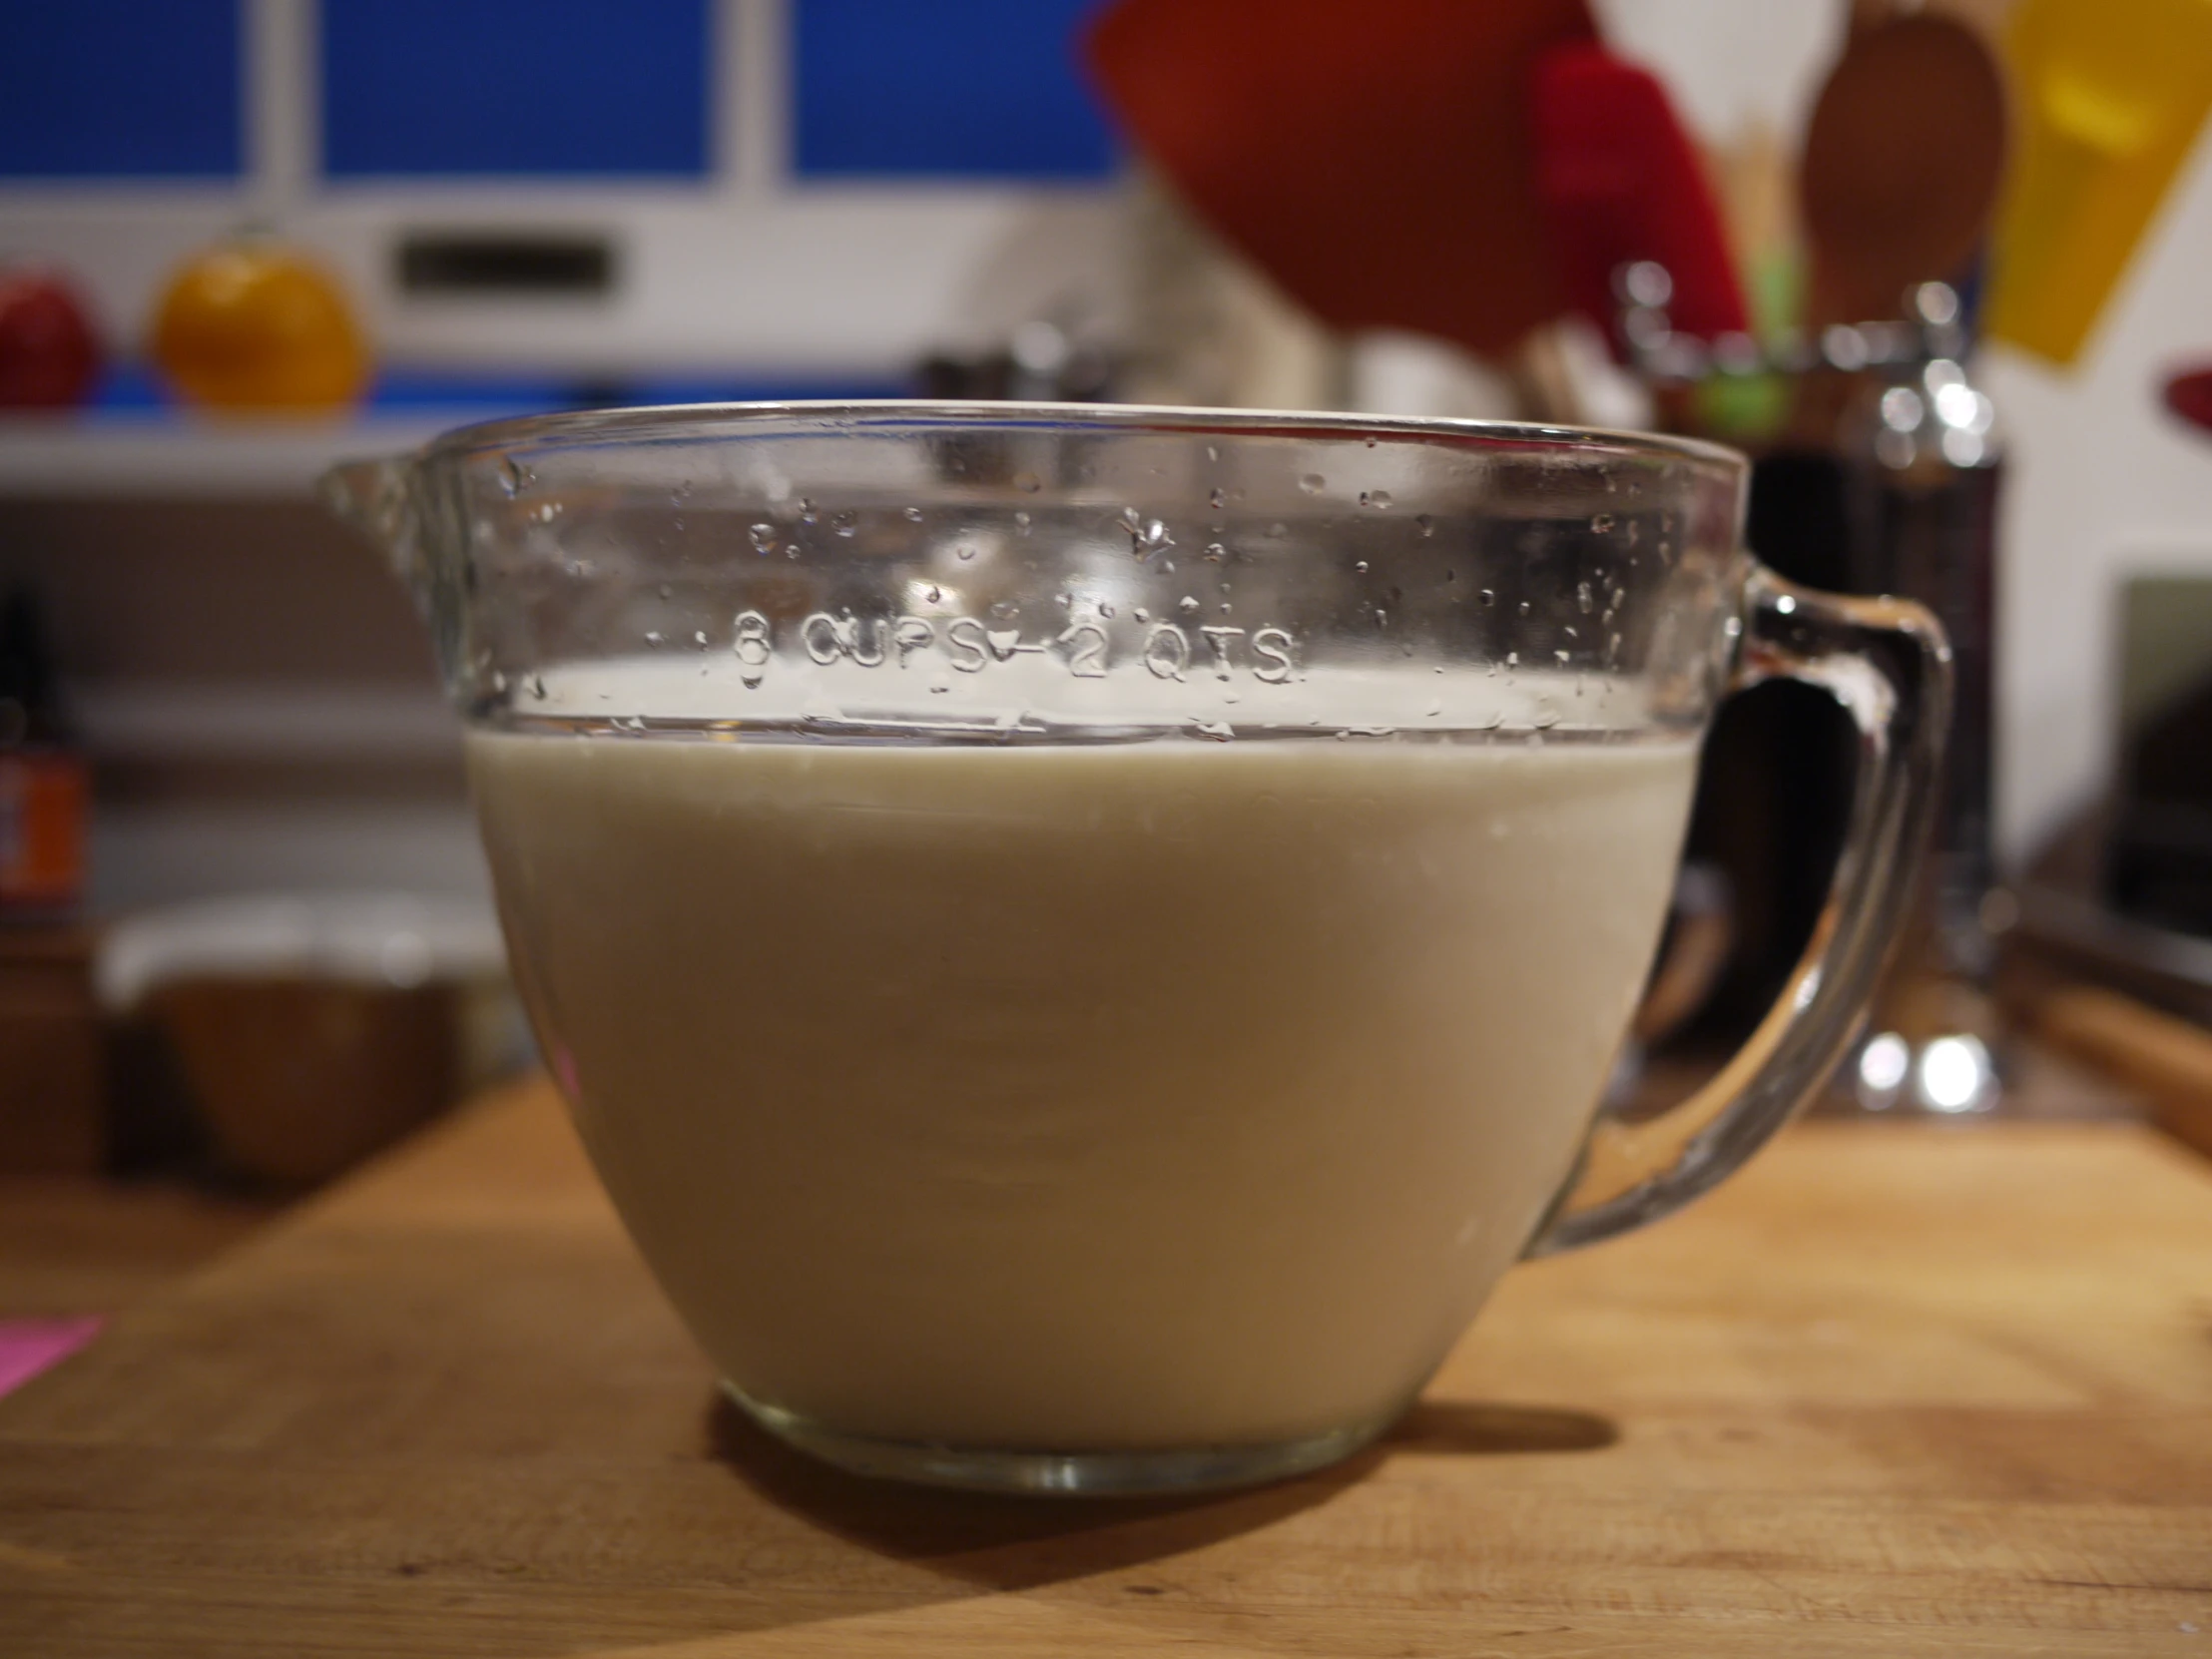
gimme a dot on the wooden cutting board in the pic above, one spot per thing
(1898, 1391)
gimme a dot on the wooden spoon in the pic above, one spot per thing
(1902, 165)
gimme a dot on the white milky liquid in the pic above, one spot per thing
(1080, 1098)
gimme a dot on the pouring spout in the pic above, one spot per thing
(373, 497)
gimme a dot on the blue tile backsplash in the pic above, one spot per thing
(121, 89)
(545, 88)
(958, 89)
(898, 91)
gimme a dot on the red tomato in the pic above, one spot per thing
(49, 355)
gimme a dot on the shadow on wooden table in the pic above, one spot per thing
(1013, 1543)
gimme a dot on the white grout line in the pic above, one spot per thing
(751, 126)
(281, 104)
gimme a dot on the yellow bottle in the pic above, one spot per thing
(2110, 94)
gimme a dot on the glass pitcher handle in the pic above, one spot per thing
(1886, 662)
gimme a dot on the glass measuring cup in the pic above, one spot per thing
(1082, 940)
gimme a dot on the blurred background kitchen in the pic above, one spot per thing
(1941, 267)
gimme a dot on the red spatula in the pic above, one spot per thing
(1372, 159)
(2189, 395)
(1618, 181)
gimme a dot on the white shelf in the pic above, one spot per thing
(169, 455)
(280, 723)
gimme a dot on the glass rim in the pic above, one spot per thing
(705, 420)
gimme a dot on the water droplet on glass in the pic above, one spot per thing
(1559, 657)
(511, 478)
(912, 515)
(1512, 658)
(940, 683)
(1141, 613)
(1021, 524)
(1219, 729)
(1377, 499)
(1524, 607)
(1028, 483)
(1487, 597)
(1188, 604)
(964, 553)
(653, 637)
(1359, 565)
(1312, 483)
(762, 537)
(1215, 552)
(1004, 610)
(1105, 609)
(1435, 707)
(1601, 523)
(549, 512)
(1217, 497)
(806, 511)
(537, 688)
(846, 524)
(1212, 453)
(699, 635)
(935, 595)
(1583, 598)
(1425, 524)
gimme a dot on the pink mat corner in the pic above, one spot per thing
(28, 1346)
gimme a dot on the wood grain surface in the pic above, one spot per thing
(2166, 1058)
(1898, 1391)
(79, 1245)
